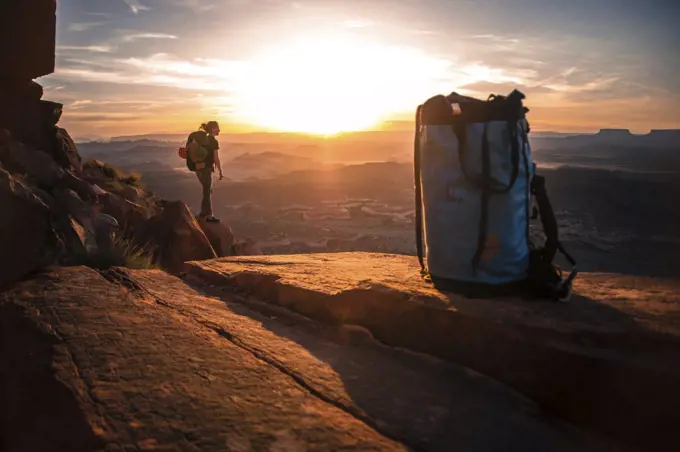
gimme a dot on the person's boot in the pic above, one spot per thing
(209, 218)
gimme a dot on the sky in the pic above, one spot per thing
(127, 67)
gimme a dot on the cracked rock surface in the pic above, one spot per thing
(141, 360)
(607, 360)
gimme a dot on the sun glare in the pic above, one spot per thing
(328, 85)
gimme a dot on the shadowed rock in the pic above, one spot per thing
(140, 360)
(28, 36)
(65, 152)
(220, 236)
(27, 241)
(605, 360)
(132, 217)
(175, 237)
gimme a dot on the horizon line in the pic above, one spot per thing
(358, 132)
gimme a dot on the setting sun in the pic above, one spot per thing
(330, 84)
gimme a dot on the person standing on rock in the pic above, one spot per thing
(202, 158)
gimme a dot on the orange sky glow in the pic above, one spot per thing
(137, 67)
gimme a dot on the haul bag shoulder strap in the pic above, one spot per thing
(418, 190)
(546, 276)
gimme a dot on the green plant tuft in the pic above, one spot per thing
(123, 253)
(117, 177)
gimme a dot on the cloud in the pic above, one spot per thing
(485, 87)
(196, 5)
(596, 84)
(574, 80)
(93, 48)
(160, 70)
(79, 104)
(138, 36)
(136, 7)
(496, 39)
(84, 26)
(118, 117)
(99, 14)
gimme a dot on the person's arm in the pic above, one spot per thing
(218, 163)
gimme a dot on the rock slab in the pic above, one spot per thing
(141, 360)
(604, 360)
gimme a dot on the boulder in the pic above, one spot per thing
(106, 230)
(220, 236)
(5, 136)
(39, 165)
(247, 247)
(65, 152)
(129, 215)
(27, 240)
(94, 172)
(46, 197)
(132, 194)
(70, 203)
(25, 119)
(174, 236)
(74, 238)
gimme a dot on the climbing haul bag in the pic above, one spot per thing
(476, 186)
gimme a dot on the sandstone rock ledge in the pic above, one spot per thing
(606, 360)
(137, 360)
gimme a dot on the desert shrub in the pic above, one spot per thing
(123, 253)
(117, 176)
(134, 179)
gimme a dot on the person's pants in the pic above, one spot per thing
(205, 178)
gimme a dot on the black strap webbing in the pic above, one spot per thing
(548, 219)
(419, 191)
(460, 129)
(514, 143)
(485, 195)
(561, 290)
(527, 174)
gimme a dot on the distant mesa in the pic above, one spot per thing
(673, 134)
(614, 132)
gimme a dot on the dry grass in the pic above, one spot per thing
(123, 253)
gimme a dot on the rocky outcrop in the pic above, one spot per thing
(132, 217)
(606, 360)
(29, 25)
(27, 240)
(140, 360)
(90, 206)
(65, 152)
(27, 31)
(220, 236)
(174, 236)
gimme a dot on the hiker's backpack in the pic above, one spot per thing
(475, 187)
(196, 151)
